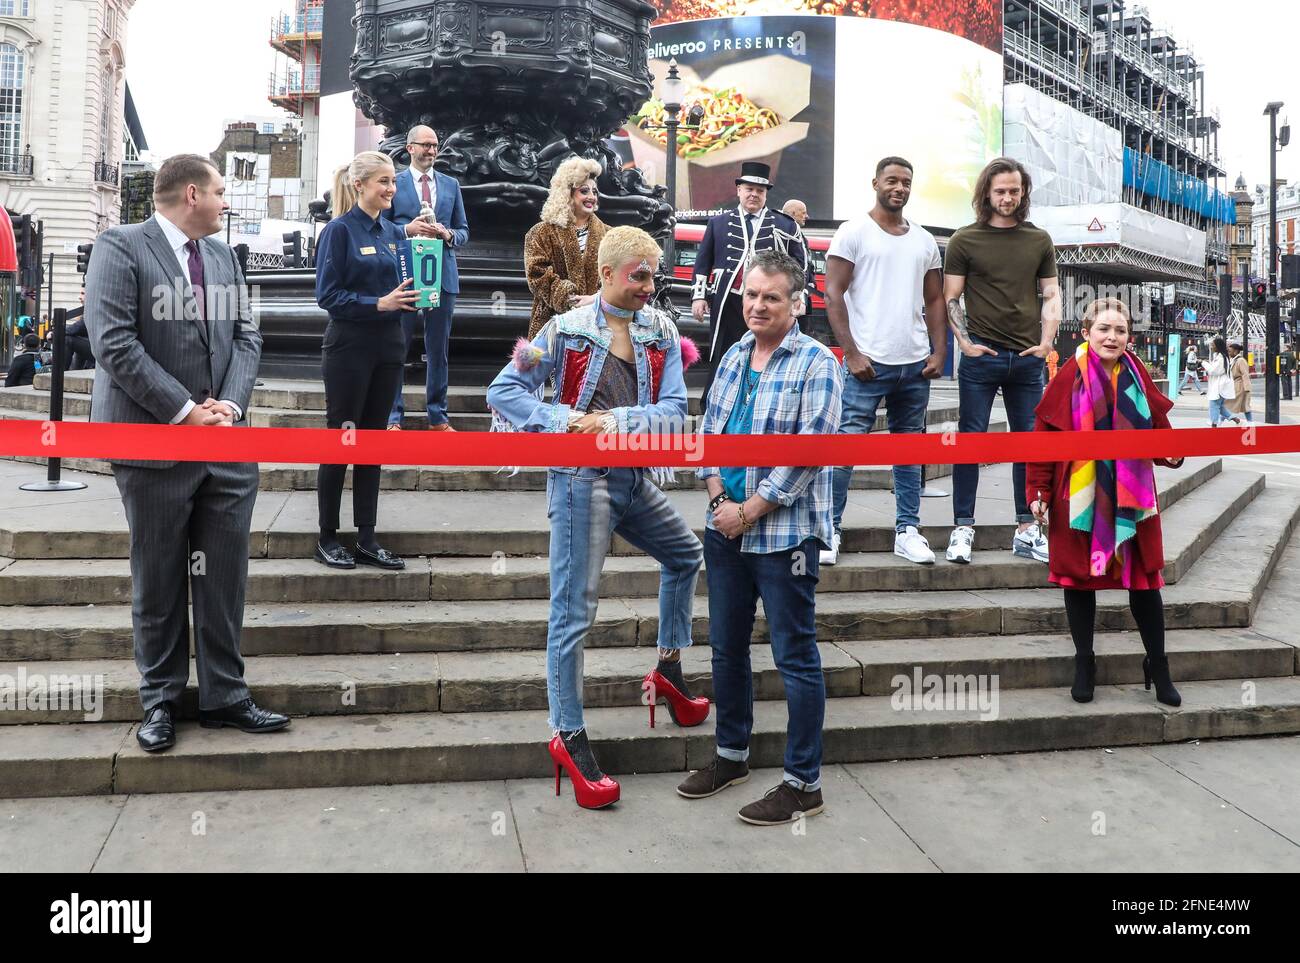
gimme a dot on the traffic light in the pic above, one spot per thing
(293, 250)
(83, 257)
(1290, 271)
(1258, 295)
(25, 236)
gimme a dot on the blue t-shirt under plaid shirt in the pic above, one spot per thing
(798, 393)
(741, 422)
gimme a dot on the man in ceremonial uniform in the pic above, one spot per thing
(730, 241)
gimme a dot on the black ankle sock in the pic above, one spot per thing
(329, 539)
(366, 539)
(672, 671)
(580, 751)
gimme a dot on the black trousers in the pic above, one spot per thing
(77, 354)
(362, 365)
(730, 328)
(1148, 610)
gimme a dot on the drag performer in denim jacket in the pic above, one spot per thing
(615, 366)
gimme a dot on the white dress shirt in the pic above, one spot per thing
(177, 240)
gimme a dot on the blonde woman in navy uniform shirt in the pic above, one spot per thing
(358, 281)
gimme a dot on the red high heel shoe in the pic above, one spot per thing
(590, 795)
(685, 712)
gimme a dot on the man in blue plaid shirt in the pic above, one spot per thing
(766, 528)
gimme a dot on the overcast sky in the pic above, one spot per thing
(189, 72)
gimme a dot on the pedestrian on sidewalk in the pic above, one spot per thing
(359, 283)
(1218, 381)
(1002, 264)
(1191, 370)
(765, 530)
(616, 367)
(560, 252)
(1105, 527)
(1239, 406)
(884, 301)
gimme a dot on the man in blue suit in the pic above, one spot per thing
(417, 186)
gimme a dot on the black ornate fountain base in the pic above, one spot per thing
(513, 89)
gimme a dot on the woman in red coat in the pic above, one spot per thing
(1105, 531)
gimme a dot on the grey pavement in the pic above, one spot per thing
(1226, 805)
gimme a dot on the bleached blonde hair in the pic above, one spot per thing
(568, 177)
(623, 244)
(343, 196)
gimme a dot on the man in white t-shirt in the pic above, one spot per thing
(884, 300)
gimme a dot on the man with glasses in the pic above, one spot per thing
(420, 187)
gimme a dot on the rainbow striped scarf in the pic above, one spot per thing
(1109, 498)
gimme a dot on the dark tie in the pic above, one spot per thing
(428, 197)
(196, 277)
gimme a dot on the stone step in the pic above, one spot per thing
(288, 478)
(1193, 522)
(310, 395)
(484, 523)
(35, 407)
(508, 680)
(96, 758)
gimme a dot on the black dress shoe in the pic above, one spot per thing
(157, 731)
(381, 559)
(245, 716)
(335, 557)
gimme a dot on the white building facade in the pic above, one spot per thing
(62, 82)
(1288, 225)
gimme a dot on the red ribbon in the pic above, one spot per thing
(310, 446)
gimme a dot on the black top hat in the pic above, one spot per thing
(752, 172)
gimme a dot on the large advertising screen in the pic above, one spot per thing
(820, 91)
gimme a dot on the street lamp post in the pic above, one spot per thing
(674, 89)
(1272, 315)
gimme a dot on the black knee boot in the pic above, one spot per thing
(1081, 613)
(1149, 612)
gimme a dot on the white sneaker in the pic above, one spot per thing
(832, 555)
(959, 544)
(1030, 544)
(911, 545)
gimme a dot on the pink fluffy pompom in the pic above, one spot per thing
(690, 353)
(526, 355)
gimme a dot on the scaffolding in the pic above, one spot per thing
(1111, 63)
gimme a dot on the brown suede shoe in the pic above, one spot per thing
(713, 778)
(782, 804)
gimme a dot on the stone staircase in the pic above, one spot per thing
(437, 673)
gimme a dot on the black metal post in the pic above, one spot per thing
(37, 280)
(53, 482)
(670, 180)
(1272, 316)
(1225, 305)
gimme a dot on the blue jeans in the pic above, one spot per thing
(437, 336)
(586, 506)
(1192, 375)
(978, 381)
(906, 395)
(787, 583)
(1219, 413)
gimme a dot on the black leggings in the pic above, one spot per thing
(362, 365)
(1148, 611)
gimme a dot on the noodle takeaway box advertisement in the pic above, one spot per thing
(749, 108)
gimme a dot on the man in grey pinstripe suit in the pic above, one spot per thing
(175, 343)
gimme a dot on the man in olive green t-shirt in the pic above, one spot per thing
(1002, 264)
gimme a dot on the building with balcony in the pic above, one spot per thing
(295, 83)
(1288, 216)
(63, 129)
